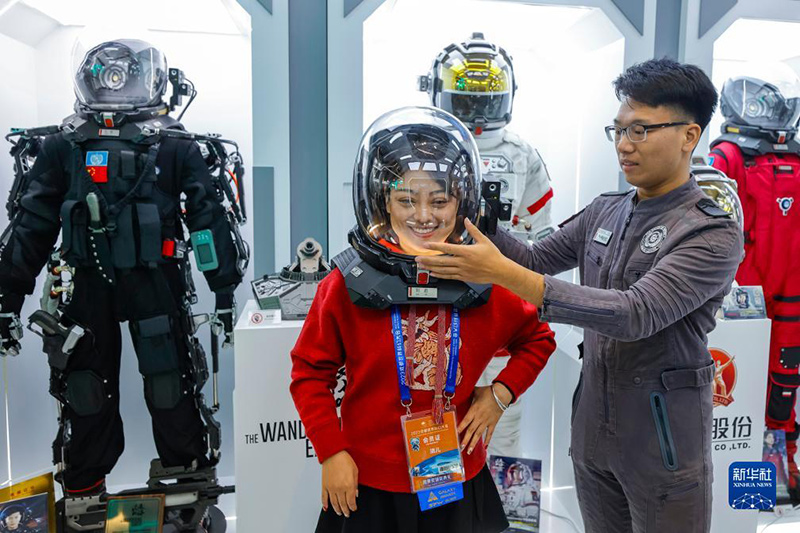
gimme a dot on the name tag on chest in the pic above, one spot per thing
(603, 236)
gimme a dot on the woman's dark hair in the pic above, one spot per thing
(665, 82)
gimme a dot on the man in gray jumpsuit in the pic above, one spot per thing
(655, 263)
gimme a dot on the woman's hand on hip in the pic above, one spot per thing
(482, 417)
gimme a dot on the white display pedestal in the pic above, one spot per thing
(277, 474)
(739, 427)
(738, 431)
(549, 417)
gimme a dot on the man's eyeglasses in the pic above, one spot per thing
(637, 133)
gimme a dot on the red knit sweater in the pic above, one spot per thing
(337, 333)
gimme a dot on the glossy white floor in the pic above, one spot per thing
(786, 520)
(767, 522)
(559, 515)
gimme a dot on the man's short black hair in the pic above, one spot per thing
(665, 82)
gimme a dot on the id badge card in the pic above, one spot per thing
(434, 458)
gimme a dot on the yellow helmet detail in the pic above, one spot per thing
(474, 81)
(474, 76)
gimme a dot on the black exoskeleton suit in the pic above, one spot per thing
(122, 274)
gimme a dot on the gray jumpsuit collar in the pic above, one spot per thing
(667, 201)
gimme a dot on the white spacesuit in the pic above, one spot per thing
(519, 495)
(519, 168)
(474, 81)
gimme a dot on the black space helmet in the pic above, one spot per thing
(767, 109)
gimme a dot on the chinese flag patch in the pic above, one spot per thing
(97, 166)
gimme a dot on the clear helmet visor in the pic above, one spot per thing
(476, 85)
(120, 75)
(416, 179)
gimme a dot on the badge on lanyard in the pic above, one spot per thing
(435, 465)
(434, 458)
(97, 166)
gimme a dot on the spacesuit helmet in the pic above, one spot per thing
(519, 474)
(416, 179)
(473, 80)
(123, 75)
(768, 101)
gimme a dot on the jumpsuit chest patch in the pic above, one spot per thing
(653, 239)
(785, 204)
(495, 164)
(603, 236)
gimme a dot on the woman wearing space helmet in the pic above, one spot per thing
(409, 453)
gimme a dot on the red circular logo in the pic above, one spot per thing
(724, 377)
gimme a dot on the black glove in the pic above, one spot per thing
(10, 326)
(226, 314)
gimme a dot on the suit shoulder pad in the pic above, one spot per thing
(570, 219)
(513, 138)
(710, 208)
(346, 260)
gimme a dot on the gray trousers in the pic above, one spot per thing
(642, 458)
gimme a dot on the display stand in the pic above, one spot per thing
(277, 472)
(278, 475)
(739, 426)
(737, 433)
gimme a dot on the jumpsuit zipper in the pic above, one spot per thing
(661, 418)
(578, 308)
(627, 223)
(606, 409)
(684, 490)
(606, 406)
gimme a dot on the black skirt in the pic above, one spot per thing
(379, 511)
